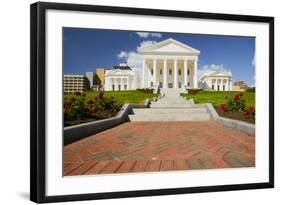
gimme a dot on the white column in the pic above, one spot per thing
(124, 82)
(165, 73)
(226, 85)
(154, 72)
(114, 83)
(175, 73)
(230, 84)
(143, 73)
(121, 83)
(221, 86)
(195, 83)
(109, 83)
(185, 73)
(216, 84)
(129, 82)
(148, 77)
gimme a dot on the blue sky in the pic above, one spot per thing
(86, 49)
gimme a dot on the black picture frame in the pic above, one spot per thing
(38, 103)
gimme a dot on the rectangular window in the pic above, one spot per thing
(151, 84)
(179, 71)
(119, 87)
(152, 72)
(179, 84)
(218, 88)
(125, 87)
(113, 86)
(170, 71)
(160, 84)
(160, 71)
(170, 85)
(223, 87)
(213, 87)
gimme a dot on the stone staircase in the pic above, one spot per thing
(171, 107)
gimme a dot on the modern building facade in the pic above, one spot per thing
(73, 83)
(96, 79)
(169, 64)
(120, 78)
(218, 80)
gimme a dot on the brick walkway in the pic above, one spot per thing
(160, 146)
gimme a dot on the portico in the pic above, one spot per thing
(169, 64)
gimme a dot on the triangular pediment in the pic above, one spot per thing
(169, 46)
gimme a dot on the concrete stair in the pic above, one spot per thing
(172, 107)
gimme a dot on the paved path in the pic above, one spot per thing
(160, 146)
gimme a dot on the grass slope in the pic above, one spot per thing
(218, 97)
(121, 97)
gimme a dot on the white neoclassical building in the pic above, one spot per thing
(120, 78)
(169, 64)
(218, 80)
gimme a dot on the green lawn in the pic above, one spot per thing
(216, 97)
(121, 97)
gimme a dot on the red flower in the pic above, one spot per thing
(237, 96)
(247, 113)
(94, 110)
(90, 102)
(101, 95)
(77, 93)
(223, 107)
(66, 106)
(251, 109)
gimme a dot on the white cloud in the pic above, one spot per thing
(145, 44)
(134, 59)
(122, 54)
(157, 35)
(254, 61)
(143, 34)
(212, 67)
(148, 34)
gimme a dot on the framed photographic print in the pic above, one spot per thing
(129, 102)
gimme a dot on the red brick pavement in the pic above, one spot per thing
(160, 146)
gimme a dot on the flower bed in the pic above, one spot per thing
(79, 110)
(236, 108)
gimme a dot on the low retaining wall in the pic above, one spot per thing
(77, 132)
(235, 124)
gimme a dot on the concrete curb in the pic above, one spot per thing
(235, 124)
(77, 132)
(191, 101)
